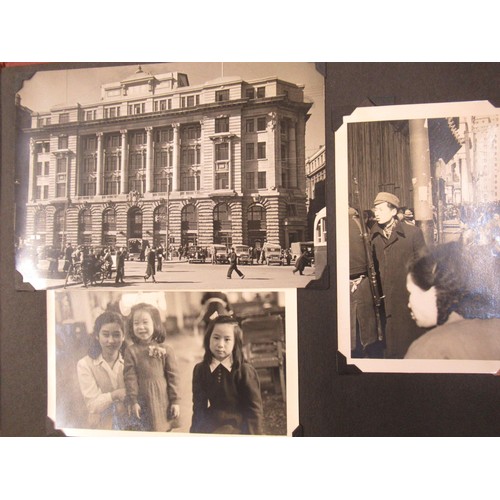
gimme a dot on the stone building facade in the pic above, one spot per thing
(159, 160)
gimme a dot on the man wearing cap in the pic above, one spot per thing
(408, 217)
(394, 245)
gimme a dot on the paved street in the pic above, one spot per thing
(183, 275)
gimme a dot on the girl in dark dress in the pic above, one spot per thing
(226, 389)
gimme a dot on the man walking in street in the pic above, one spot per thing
(233, 265)
(395, 244)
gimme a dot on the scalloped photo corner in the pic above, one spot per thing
(212, 171)
(210, 362)
(418, 200)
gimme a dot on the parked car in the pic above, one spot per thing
(220, 253)
(272, 252)
(197, 255)
(243, 253)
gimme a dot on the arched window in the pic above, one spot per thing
(256, 226)
(189, 225)
(109, 227)
(134, 223)
(222, 225)
(85, 227)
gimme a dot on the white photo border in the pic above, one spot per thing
(291, 366)
(376, 114)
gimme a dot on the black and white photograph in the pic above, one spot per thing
(171, 176)
(172, 362)
(418, 200)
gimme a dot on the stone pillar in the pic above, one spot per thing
(99, 161)
(123, 165)
(32, 172)
(421, 176)
(175, 166)
(292, 155)
(149, 163)
(230, 163)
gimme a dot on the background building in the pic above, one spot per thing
(159, 160)
(315, 186)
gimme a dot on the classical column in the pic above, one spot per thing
(175, 166)
(230, 163)
(149, 164)
(292, 155)
(98, 187)
(32, 172)
(123, 166)
(421, 175)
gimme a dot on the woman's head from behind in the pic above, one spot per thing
(451, 278)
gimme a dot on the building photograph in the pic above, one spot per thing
(192, 159)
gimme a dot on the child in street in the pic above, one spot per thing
(226, 389)
(150, 372)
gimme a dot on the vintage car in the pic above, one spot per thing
(243, 253)
(218, 254)
(196, 255)
(272, 253)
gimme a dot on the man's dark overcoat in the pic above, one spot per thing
(391, 259)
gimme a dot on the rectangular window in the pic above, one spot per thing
(38, 147)
(111, 163)
(138, 138)
(188, 183)
(89, 144)
(60, 189)
(222, 125)
(261, 180)
(62, 142)
(64, 118)
(61, 165)
(39, 192)
(249, 125)
(45, 192)
(261, 150)
(250, 151)
(167, 135)
(261, 123)
(111, 186)
(46, 168)
(222, 151)
(169, 103)
(222, 95)
(261, 92)
(222, 180)
(190, 101)
(46, 147)
(250, 93)
(89, 115)
(38, 170)
(250, 180)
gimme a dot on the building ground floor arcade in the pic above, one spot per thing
(133, 219)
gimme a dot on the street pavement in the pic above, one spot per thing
(182, 275)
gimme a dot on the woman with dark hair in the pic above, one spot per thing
(100, 374)
(226, 389)
(454, 290)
